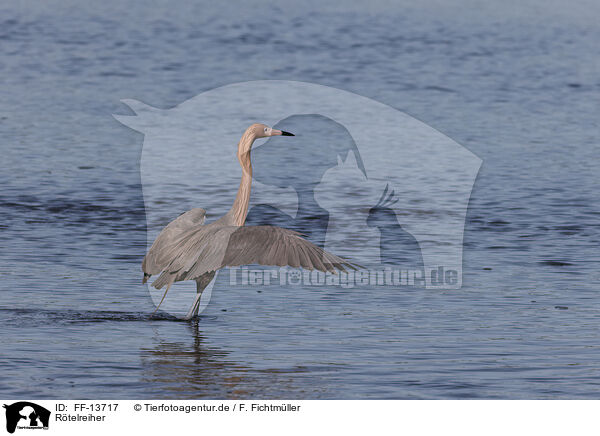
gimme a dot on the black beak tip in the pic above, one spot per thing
(284, 133)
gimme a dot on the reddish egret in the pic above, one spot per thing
(186, 249)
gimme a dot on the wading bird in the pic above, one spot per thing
(186, 249)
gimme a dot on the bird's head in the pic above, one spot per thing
(263, 131)
(256, 131)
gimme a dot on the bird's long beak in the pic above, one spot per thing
(281, 132)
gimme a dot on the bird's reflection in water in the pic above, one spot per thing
(190, 368)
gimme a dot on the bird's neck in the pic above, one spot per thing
(239, 210)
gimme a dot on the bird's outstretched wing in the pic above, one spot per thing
(210, 248)
(154, 262)
(269, 245)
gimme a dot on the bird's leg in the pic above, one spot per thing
(195, 307)
(162, 299)
(201, 283)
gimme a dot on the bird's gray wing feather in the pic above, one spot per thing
(269, 245)
(194, 253)
(212, 247)
(155, 259)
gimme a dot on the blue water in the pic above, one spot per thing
(518, 85)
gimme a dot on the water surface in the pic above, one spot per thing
(518, 87)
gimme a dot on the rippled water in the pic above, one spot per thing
(518, 86)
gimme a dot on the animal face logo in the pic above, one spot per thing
(360, 178)
(24, 414)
